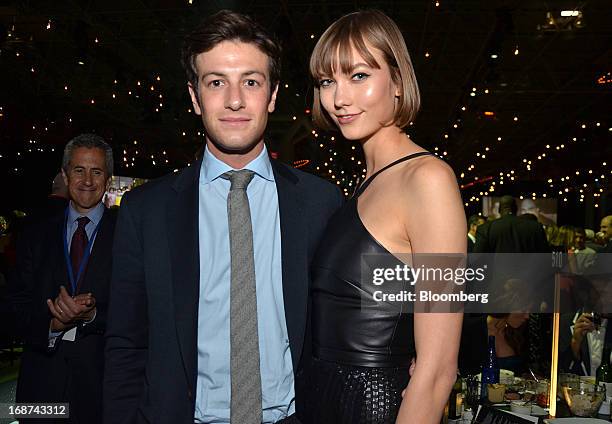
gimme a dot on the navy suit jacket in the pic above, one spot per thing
(41, 270)
(151, 338)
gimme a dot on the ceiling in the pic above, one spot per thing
(539, 79)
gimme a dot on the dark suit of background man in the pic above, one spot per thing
(63, 319)
(510, 234)
(507, 234)
(168, 337)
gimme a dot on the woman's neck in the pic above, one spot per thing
(387, 145)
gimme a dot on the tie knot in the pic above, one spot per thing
(82, 221)
(239, 179)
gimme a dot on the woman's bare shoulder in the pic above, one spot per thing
(428, 173)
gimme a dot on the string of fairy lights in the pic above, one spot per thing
(580, 181)
(339, 161)
(145, 94)
(344, 173)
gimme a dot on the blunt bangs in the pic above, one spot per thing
(335, 50)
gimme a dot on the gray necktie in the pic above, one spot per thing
(245, 406)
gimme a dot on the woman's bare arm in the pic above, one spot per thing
(435, 223)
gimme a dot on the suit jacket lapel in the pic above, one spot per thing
(183, 243)
(57, 258)
(294, 258)
(97, 261)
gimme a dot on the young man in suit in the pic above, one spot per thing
(61, 288)
(209, 297)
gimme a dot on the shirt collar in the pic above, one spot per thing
(94, 215)
(213, 168)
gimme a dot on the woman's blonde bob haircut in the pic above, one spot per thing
(363, 30)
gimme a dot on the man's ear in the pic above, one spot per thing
(272, 102)
(193, 93)
(65, 177)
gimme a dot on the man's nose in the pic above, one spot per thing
(235, 98)
(88, 178)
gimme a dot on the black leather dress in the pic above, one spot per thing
(362, 350)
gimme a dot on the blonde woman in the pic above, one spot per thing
(365, 87)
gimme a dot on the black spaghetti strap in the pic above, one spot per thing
(367, 182)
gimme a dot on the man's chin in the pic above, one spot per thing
(83, 205)
(235, 148)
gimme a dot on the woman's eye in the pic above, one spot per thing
(325, 83)
(360, 76)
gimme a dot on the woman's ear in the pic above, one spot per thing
(397, 82)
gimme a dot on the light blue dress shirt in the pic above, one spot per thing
(213, 380)
(94, 215)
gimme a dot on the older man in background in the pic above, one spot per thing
(60, 288)
(606, 231)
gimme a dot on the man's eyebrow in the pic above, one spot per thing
(244, 74)
(95, 168)
(247, 73)
(218, 74)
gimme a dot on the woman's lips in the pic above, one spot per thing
(348, 118)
